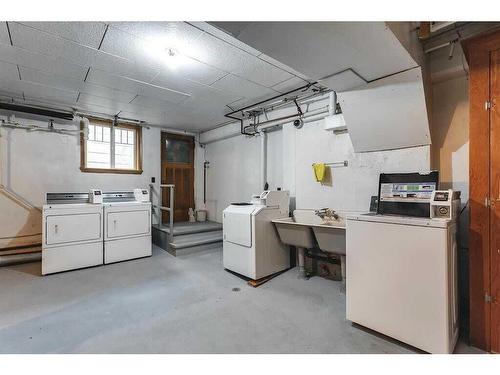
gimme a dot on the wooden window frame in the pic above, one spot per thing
(138, 149)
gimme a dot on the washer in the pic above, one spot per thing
(72, 233)
(402, 278)
(127, 226)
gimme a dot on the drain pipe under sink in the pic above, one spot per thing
(301, 261)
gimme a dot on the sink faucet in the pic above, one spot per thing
(326, 213)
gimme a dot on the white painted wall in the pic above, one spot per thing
(35, 163)
(234, 172)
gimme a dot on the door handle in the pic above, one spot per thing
(114, 224)
(56, 228)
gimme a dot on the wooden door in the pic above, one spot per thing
(483, 56)
(177, 168)
(495, 200)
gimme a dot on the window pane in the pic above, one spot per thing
(91, 132)
(178, 151)
(118, 136)
(124, 150)
(98, 154)
(98, 133)
(124, 156)
(98, 147)
(106, 134)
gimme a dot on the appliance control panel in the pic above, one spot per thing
(445, 204)
(141, 195)
(95, 196)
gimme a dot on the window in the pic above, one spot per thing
(116, 150)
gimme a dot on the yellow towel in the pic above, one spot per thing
(319, 171)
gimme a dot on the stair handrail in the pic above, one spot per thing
(170, 209)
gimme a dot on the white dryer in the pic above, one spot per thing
(127, 226)
(72, 233)
(251, 246)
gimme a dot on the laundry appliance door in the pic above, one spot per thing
(237, 224)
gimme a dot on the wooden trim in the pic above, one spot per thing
(138, 150)
(478, 50)
(111, 170)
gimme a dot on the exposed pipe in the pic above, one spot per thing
(37, 111)
(243, 128)
(9, 260)
(263, 160)
(331, 103)
(276, 122)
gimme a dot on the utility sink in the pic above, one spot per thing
(302, 229)
(306, 230)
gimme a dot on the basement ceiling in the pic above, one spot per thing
(123, 68)
(340, 55)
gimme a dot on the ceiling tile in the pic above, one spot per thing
(342, 81)
(120, 43)
(280, 65)
(36, 91)
(167, 79)
(196, 71)
(149, 102)
(215, 31)
(8, 72)
(86, 33)
(242, 87)
(33, 40)
(10, 89)
(132, 86)
(122, 67)
(146, 53)
(178, 35)
(112, 105)
(48, 79)
(217, 53)
(289, 84)
(261, 72)
(41, 62)
(74, 85)
(4, 34)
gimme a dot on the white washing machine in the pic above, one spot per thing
(72, 233)
(127, 225)
(402, 278)
(251, 246)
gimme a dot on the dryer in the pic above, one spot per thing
(72, 233)
(251, 246)
(127, 226)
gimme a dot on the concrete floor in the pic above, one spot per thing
(165, 304)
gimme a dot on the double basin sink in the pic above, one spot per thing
(301, 229)
(306, 228)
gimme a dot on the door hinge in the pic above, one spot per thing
(487, 202)
(487, 105)
(489, 299)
